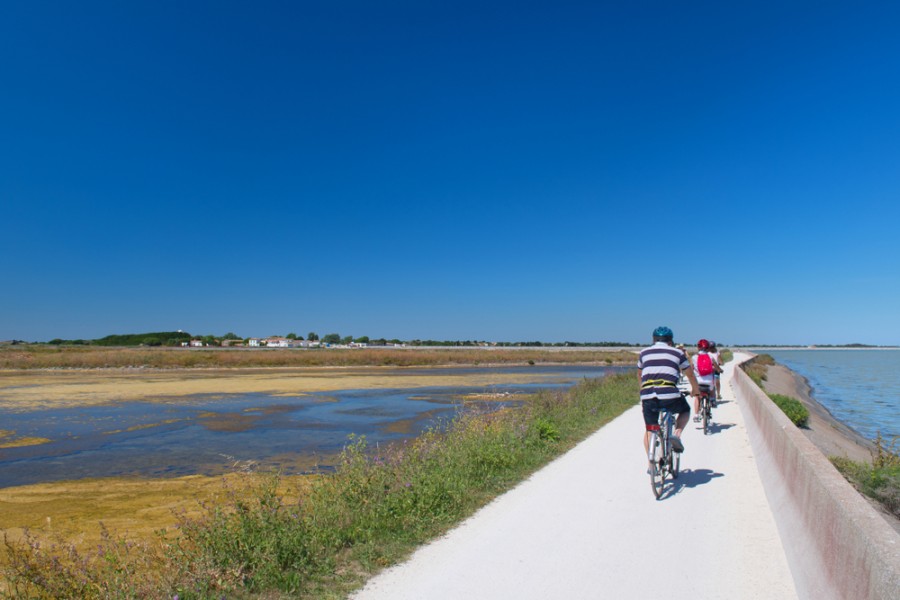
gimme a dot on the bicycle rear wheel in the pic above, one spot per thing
(657, 473)
(705, 411)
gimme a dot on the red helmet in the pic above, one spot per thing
(703, 345)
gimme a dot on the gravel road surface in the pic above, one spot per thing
(587, 526)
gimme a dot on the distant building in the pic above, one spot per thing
(254, 342)
(196, 343)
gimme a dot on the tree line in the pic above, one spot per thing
(178, 338)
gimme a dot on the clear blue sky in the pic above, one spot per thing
(484, 170)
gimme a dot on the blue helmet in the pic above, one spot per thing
(663, 332)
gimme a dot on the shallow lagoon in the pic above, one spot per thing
(215, 433)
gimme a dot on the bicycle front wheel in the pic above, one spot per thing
(656, 460)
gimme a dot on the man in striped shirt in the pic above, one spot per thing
(660, 365)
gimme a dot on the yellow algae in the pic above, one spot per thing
(132, 508)
(143, 426)
(25, 441)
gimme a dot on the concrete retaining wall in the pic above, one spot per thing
(836, 544)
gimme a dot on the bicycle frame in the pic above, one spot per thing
(661, 457)
(706, 408)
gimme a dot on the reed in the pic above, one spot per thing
(374, 510)
(757, 368)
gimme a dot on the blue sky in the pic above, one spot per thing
(513, 171)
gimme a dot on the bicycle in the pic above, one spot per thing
(705, 408)
(662, 457)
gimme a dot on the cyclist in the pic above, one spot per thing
(714, 354)
(660, 365)
(683, 384)
(704, 371)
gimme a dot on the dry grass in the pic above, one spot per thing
(82, 357)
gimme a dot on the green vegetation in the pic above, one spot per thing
(879, 480)
(339, 529)
(757, 366)
(793, 408)
(163, 338)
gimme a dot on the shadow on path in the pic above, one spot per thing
(692, 478)
(715, 428)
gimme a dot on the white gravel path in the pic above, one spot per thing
(587, 526)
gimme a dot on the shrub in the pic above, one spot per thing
(793, 408)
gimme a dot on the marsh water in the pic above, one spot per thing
(216, 433)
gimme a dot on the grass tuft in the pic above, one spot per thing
(879, 480)
(757, 368)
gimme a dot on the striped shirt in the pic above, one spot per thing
(661, 365)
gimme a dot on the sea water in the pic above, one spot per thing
(860, 387)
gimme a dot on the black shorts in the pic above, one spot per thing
(652, 406)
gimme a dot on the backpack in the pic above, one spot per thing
(704, 364)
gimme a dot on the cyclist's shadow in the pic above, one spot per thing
(692, 478)
(715, 428)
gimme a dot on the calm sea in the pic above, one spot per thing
(859, 387)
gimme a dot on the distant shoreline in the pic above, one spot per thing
(753, 348)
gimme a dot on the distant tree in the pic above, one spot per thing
(56, 342)
(210, 340)
(346, 339)
(291, 336)
(332, 338)
(230, 336)
(312, 336)
(362, 340)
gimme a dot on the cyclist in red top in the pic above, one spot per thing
(705, 369)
